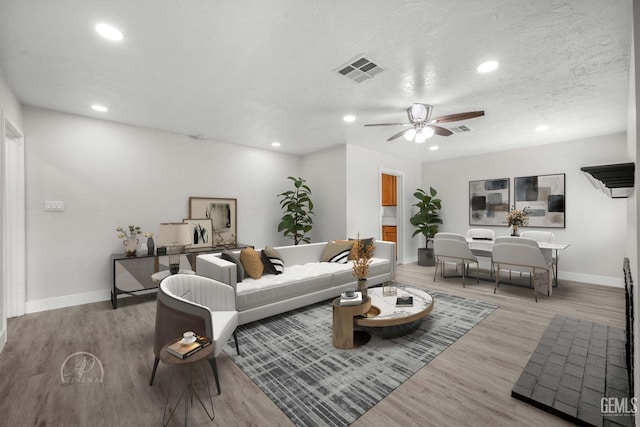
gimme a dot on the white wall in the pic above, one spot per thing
(325, 172)
(363, 198)
(109, 174)
(596, 226)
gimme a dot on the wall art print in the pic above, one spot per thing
(544, 198)
(489, 201)
(200, 231)
(223, 215)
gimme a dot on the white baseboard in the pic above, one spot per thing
(616, 282)
(67, 301)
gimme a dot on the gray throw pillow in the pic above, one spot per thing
(234, 258)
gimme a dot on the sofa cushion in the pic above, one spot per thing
(295, 281)
(274, 258)
(234, 258)
(268, 267)
(365, 244)
(252, 262)
(337, 252)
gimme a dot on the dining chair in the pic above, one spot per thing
(480, 241)
(454, 251)
(523, 258)
(546, 237)
(188, 302)
(451, 236)
(516, 241)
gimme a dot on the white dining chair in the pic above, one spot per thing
(457, 252)
(523, 258)
(546, 237)
(516, 241)
(480, 241)
(450, 236)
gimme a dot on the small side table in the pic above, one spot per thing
(189, 391)
(343, 320)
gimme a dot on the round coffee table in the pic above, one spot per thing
(396, 321)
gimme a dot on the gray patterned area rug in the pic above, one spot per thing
(292, 359)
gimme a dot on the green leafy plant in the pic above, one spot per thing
(427, 218)
(298, 208)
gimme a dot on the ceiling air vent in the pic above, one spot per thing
(616, 181)
(360, 69)
(460, 129)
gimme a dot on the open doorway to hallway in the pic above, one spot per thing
(391, 208)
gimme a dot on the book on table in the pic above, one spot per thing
(181, 350)
(404, 301)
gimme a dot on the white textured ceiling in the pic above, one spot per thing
(256, 71)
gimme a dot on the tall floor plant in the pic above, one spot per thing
(298, 208)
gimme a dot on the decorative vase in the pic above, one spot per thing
(151, 246)
(130, 246)
(362, 288)
(514, 230)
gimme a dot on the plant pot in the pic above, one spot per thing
(426, 257)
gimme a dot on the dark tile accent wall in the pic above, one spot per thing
(575, 365)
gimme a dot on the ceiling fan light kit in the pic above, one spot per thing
(422, 127)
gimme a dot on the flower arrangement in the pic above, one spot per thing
(133, 231)
(148, 234)
(361, 263)
(517, 217)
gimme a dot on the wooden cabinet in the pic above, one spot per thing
(390, 234)
(389, 192)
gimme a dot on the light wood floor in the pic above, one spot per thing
(469, 384)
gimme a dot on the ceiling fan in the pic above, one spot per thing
(422, 127)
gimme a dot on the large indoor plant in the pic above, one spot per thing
(298, 208)
(426, 221)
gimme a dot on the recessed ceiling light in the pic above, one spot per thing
(109, 32)
(275, 144)
(349, 119)
(433, 148)
(100, 108)
(542, 128)
(487, 67)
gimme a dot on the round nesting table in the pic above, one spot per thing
(396, 321)
(379, 311)
(188, 392)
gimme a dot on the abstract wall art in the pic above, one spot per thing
(544, 198)
(488, 201)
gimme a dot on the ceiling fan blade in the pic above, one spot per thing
(440, 130)
(390, 124)
(399, 134)
(458, 116)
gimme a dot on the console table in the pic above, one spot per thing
(133, 275)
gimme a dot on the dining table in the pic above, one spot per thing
(485, 244)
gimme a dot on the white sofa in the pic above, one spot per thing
(305, 280)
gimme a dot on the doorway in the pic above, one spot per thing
(391, 208)
(13, 274)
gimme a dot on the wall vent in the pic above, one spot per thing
(360, 69)
(460, 129)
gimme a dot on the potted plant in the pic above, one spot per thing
(298, 208)
(426, 221)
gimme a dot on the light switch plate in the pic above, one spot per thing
(53, 206)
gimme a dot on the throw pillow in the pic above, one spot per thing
(353, 255)
(366, 243)
(275, 258)
(252, 263)
(234, 258)
(268, 267)
(337, 252)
